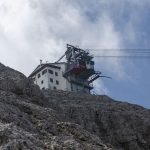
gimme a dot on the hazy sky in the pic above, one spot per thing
(31, 30)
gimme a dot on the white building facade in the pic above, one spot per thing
(51, 76)
(76, 74)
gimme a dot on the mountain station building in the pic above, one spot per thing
(77, 74)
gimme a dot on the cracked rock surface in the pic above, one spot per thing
(123, 125)
(31, 119)
(28, 122)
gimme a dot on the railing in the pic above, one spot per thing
(82, 82)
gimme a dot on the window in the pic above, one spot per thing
(71, 87)
(50, 71)
(51, 80)
(55, 88)
(92, 63)
(42, 82)
(77, 88)
(44, 71)
(57, 82)
(39, 75)
(56, 73)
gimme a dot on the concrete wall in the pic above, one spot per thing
(42, 78)
(44, 81)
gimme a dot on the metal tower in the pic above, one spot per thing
(80, 67)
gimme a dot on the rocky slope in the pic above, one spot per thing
(27, 122)
(31, 119)
(123, 125)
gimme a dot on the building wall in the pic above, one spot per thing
(63, 81)
(59, 78)
(77, 88)
(42, 81)
(45, 80)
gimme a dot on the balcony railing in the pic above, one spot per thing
(81, 82)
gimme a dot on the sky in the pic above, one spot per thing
(31, 30)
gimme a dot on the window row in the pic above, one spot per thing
(53, 88)
(51, 80)
(52, 72)
(45, 71)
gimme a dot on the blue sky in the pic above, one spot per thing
(31, 30)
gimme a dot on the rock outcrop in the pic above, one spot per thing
(123, 125)
(31, 119)
(27, 122)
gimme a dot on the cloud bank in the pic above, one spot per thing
(31, 30)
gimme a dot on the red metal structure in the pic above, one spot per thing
(80, 67)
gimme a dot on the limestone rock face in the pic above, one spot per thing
(14, 81)
(31, 119)
(123, 125)
(29, 122)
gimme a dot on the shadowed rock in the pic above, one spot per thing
(31, 119)
(123, 125)
(17, 83)
(27, 121)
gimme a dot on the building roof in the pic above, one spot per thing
(44, 65)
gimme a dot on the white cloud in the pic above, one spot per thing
(40, 29)
(31, 30)
(99, 88)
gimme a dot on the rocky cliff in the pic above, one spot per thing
(31, 119)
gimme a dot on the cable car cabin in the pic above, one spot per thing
(81, 69)
(76, 68)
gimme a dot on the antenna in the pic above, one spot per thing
(40, 62)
